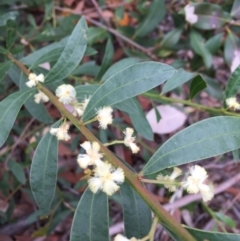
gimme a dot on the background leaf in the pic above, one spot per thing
(43, 173)
(9, 108)
(197, 43)
(231, 48)
(171, 38)
(207, 138)
(210, 16)
(197, 85)
(235, 12)
(233, 84)
(11, 33)
(7, 16)
(4, 67)
(155, 14)
(72, 53)
(178, 78)
(128, 83)
(107, 59)
(17, 171)
(91, 218)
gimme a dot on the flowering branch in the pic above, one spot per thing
(131, 177)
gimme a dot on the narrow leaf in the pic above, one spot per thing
(197, 85)
(235, 12)
(43, 173)
(178, 78)
(91, 218)
(4, 67)
(156, 13)
(213, 236)
(128, 83)
(210, 16)
(214, 43)
(7, 16)
(107, 59)
(11, 33)
(171, 38)
(72, 53)
(199, 47)
(204, 235)
(231, 48)
(9, 108)
(136, 213)
(17, 171)
(207, 138)
(233, 84)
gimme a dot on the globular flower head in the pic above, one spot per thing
(176, 173)
(34, 79)
(196, 183)
(104, 116)
(61, 132)
(120, 237)
(106, 178)
(190, 16)
(92, 156)
(232, 103)
(66, 93)
(129, 140)
(40, 96)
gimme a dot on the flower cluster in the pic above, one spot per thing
(93, 157)
(61, 132)
(33, 79)
(120, 237)
(40, 96)
(190, 16)
(232, 103)
(195, 182)
(105, 177)
(129, 140)
(104, 116)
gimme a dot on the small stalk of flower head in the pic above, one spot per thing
(168, 181)
(161, 182)
(113, 143)
(128, 141)
(90, 121)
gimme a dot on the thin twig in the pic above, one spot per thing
(18, 141)
(114, 32)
